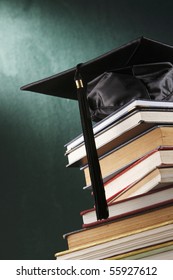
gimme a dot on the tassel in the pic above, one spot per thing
(93, 162)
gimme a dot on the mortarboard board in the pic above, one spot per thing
(139, 51)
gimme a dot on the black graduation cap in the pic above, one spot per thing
(139, 51)
(64, 84)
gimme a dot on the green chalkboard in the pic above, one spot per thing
(40, 198)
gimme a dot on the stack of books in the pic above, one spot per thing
(135, 151)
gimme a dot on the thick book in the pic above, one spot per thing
(162, 251)
(120, 227)
(130, 205)
(110, 248)
(117, 115)
(160, 177)
(163, 156)
(133, 150)
(120, 132)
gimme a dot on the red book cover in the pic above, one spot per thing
(130, 206)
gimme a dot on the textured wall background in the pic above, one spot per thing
(41, 198)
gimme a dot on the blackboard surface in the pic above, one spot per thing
(40, 198)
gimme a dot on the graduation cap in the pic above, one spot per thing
(139, 51)
(72, 84)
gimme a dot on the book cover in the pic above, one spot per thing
(160, 251)
(131, 205)
(109, 248)
(133, 150)
(122, 226)
(117, 115)
(121, 132)
(163, 156)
